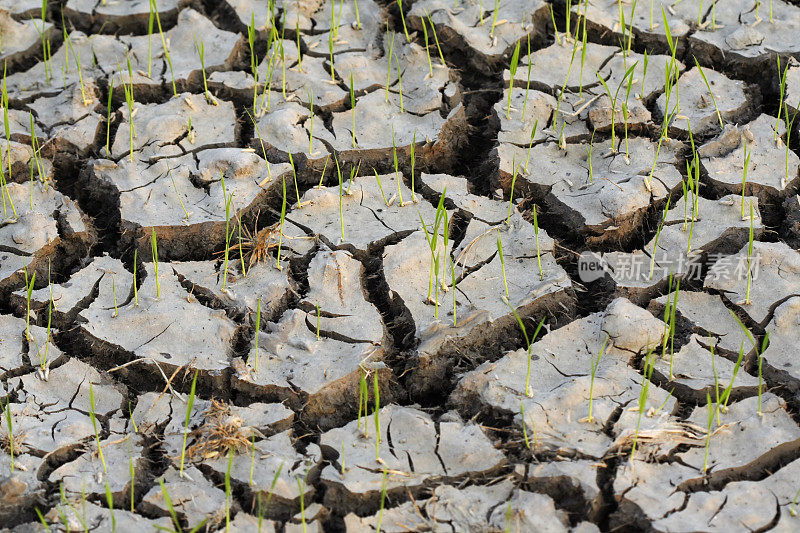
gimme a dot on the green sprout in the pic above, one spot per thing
(513, 69)
(94, 426)
(187, 419)
(528, 343)
(154, 249)
(708, 86)
(593, 365)
(502, 262)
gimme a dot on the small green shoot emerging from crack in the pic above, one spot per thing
(189, 405)
(94, 426)
(528, 343)
(593, 365)
(513, 70)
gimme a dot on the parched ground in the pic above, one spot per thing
(433, 265)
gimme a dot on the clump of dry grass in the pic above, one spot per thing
(219, 433)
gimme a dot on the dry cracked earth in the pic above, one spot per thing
(429, 265)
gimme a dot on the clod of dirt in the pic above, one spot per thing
(700, 108)
(668, 493)
(187, 123)
(193, 497)
(324, 25)
(693, 370)
(772, 170)
(52, 416)
(757, 284)
(71, 120)
(184, 201)
(603, 198)
(709, 318)
(485, 38)
(779, 358)
(684, 243)
(48, 230)
(556, 395)
(120, 17)
(21, 488)
(80, 514)
(499, 506)
(165, 330)
(414, 450)
(22, 39)
(18, 352)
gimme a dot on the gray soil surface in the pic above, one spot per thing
(421, 265)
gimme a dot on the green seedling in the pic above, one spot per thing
(427, 47)
(403, 20)
(133, 482)
(186, 421)
(94, 426)
(48, 67)
(377, 414)
(258, 328)
(77, 58)
(383, 500)
(175, 188)
(555, 26)
(353, 107)
(708, 431)
(108, 117)
(413, 164)
(511, 192)
(363, 400)
(228, 491)
(747, 300)
(241, 248)
(135, 283)
(341, 208)
(389, 68)
(564, 86)
(528, 83)
(613, 99)
(154, 10)
(593, 365)
(28, 293)
(380, 186)
(201, 51)
(583, 50)
(708, 86)
(150, 20)
(294, 177)
(655, 242)
(10, 431)
(789, 125)
(110, 502)
(782, 93)
(251, 40)
(502, 262)
(280, 231)
(525, 429)
(36, 159)
(435, 38)
(170, 507)
(513, 70)
(228, 199)
(726, 394)
(128, 88)
(399, 82)
(649, 361)
(397, 175)
(589, 156)
(528, 343)
(114, 293)
(538, 250)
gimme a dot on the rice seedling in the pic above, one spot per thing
(170, 507)
(726, 394)
(251, 40)
(793, 508)
(187, 419)
(302, 491)
(280, 230)
(93, 418)
(154, 10)
(380, 186)
(228, 199)
(294, 177)
(427, 47)
(47, 60)
(258, 328)
(502, 262)
(583, 51)
(593, 365)
(649, 361)
(397, 175)
(28, 291)
(399, 83)
(154, 249)
(413, 154)
(363, 400)
(128, 88)
(201, 51)
(133, 482)
(77, 58)
(110, 502)
(383, 500)
(341, 208)
(435, 38)
(10, 432)
(36, 158)
(135, 283)
(528, 83)
(625, 115)
(108, 117)
(353, 107)
(538, 249)
(789, 125)
(655, 242)
(613, 100)
(708, 86)
(376, 394)
(528, 343)
(513, 69)
(708, 432)
(781, 93)
(42, 520)
(228, 491)
(5, 194)
(389, 67)
(511, 192)
(747, 300)
(525, 429)
(403, 20)
(564, 86)
(589, 156)
(555, 26)
(150, 21)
